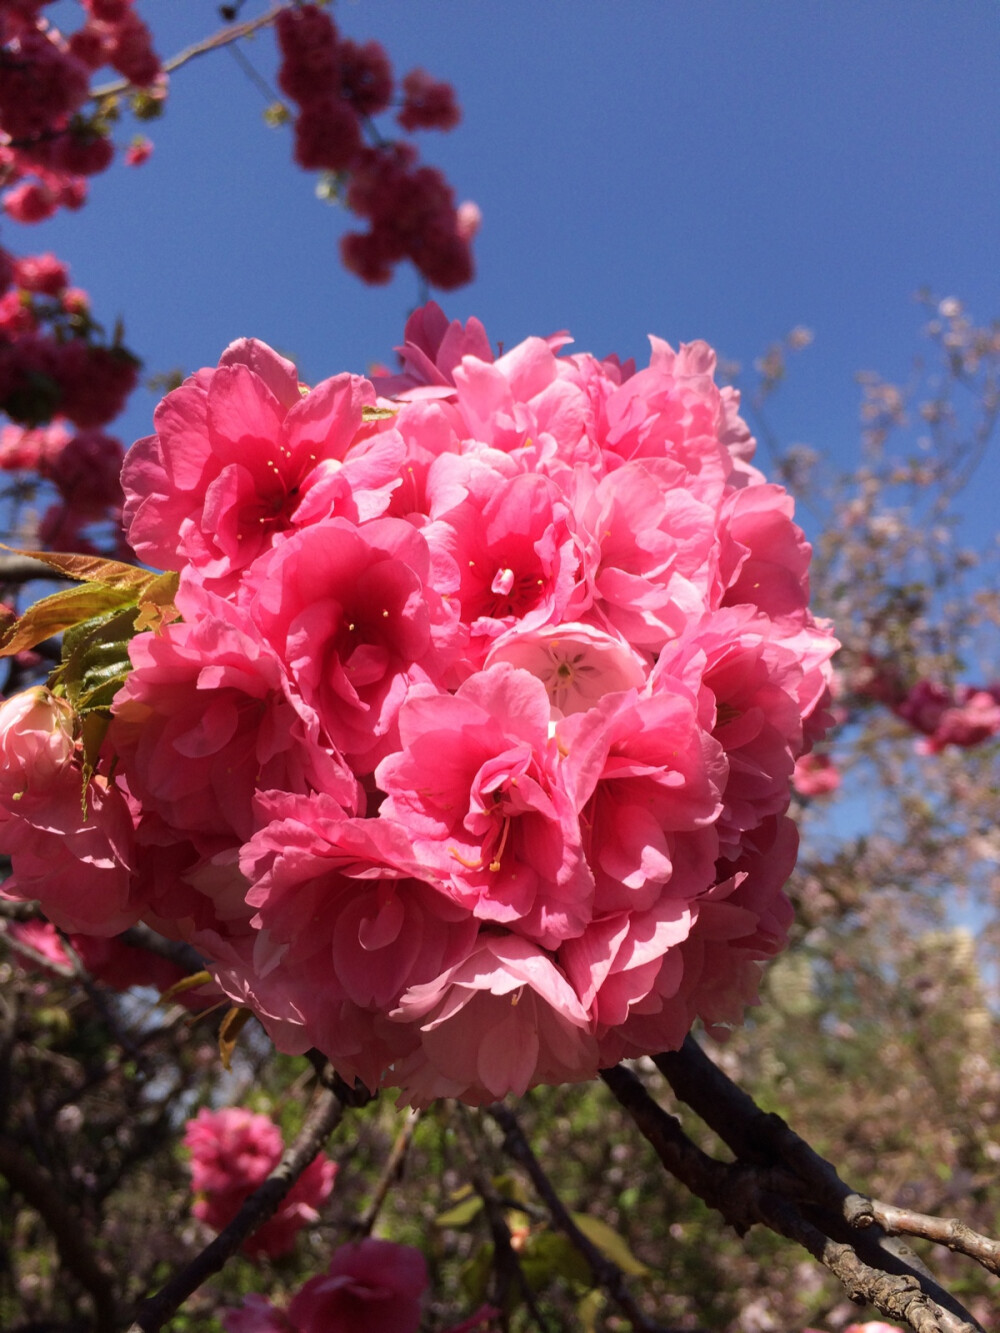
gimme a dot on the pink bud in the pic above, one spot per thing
(36, 743)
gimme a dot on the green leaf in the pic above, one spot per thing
(588, 1310)
(96, 660)
(474, 1275)
(462, 1213)
(549, 1254)
(610, 1244)
(93, 729)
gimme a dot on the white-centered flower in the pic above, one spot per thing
(576, 663)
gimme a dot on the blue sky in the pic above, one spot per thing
(702, 169)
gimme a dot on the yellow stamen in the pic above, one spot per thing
(495, 863)
(469, 865)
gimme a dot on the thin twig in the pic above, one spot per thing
(507, 1268)
(327, 1112)
(607, 1274)
(41, 960)
(219, 39)
(391, 1172)
(947, 1231)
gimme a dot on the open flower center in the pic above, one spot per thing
(576, 663)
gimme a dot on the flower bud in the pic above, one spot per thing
(36, 743)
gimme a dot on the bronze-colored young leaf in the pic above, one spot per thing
(156, 603)
(229, 1032)
(92, 568)
(185, 984)
(62, 611)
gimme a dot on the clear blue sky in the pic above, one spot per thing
(697, 169)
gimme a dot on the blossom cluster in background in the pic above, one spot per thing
(964, 715)
(468, 760)
(49, 141)
(55, 132)
(371, 1285)
(61, 384)
(109, 960)
(337, 86)
(959, 715)
(375, 1285)
(233, 1151)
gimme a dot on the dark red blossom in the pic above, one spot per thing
(429, 103)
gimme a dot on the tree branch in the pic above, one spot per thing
(218, 39)
(390, 1172)
(23, 569)
(607, 1274)
(947, 1231)
(779, 1181)
(507, 1267)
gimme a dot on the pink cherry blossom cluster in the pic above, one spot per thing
(374, 1285)
(962, 715)
(815, 775)
(49, 145)
(83, 467)
(469, 758)
(233, 1151)
(56, 362)
(338, 85)
(959, 715)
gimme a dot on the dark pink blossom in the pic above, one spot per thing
(429, 104)
(371, 1284)
(233, 1152)
(237, 451)
(815, 775)
(477, 784)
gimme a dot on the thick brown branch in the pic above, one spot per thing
(752, 1134)
(731, 1190)
(142, 937)
(22, 569)
(324, 1117)
(37, 1188)
(794, 1192)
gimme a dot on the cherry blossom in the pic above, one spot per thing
(467, 759)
